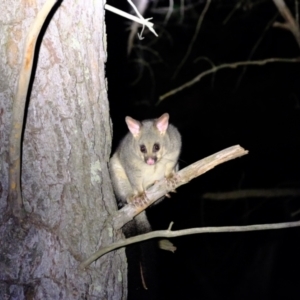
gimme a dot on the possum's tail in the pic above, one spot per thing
(143, 269)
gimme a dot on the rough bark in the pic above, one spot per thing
(66, 188)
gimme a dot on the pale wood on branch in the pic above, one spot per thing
(161, 188)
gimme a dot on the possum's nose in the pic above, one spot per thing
(151, 160)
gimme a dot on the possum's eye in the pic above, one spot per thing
(156, 147)
(143, 148)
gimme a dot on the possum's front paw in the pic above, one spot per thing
(139, 200)
(172, 182)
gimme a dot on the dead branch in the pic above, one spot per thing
(171, 234)
(234, 195)
(161, 188)
(15, 196)
(290, 22)
(226, 66)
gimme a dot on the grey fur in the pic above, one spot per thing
(130, 173)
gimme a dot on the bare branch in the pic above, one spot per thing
(290, 22)
(235, 8)
(172, 234)
(15, 196)
(162, 187)
(225, 66)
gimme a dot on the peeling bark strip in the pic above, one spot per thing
(15, 195)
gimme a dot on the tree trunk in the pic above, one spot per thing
(66, 188)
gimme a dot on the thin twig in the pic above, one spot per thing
(270, 23)
(297, 11)
(142, 277)
(169, 13)
(191, 45)
(181, 9)
(225, 66)
(15, 195)
(232, 12)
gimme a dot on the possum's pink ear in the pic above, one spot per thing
(162, 123)
(134, 126)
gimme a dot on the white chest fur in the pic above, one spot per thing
(151, 174)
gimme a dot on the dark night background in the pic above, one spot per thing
(257, 107)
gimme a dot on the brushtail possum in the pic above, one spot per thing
(149, 152)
